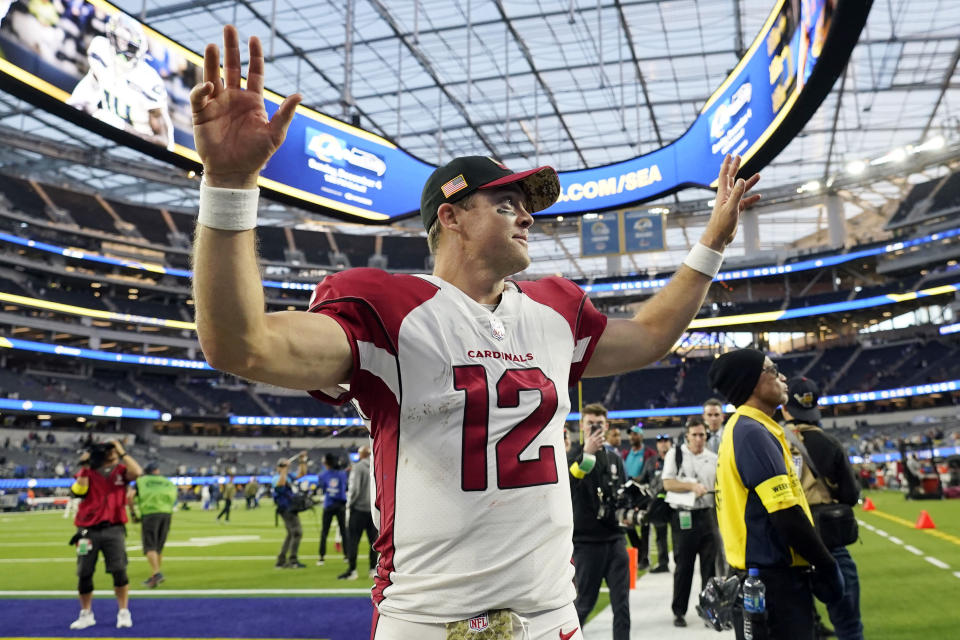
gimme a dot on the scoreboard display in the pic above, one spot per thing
(99, 67)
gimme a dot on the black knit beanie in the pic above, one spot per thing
(735, 374)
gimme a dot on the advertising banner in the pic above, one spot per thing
(643, 231)
(601, 236)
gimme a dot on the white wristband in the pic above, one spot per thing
(228, 209)
(705, 260)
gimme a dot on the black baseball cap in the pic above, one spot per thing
(462, 176)
(150, 468)
(802, 401)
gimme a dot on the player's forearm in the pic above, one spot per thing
(664, 317)
(228, 297)
(678, 486)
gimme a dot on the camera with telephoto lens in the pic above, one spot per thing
(98, 454)
(627, 505)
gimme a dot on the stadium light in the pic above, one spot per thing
(856, 167)
(933, 144)
(895, 156)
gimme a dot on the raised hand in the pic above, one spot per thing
(594, 442)
(731, 200)
(231, 130)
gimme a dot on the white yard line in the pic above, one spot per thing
(912, 549)
(936, 563)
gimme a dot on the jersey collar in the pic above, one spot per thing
(762, 418)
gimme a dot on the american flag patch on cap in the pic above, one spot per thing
(451, 187)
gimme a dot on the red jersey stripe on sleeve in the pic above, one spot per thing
(370, 305)
(569, 300)
(590, 326)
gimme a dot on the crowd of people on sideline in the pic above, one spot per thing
(766, 488)
(744, 491)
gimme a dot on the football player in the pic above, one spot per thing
(120, 88)
(462, 373)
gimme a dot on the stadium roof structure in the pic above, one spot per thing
(573, 84)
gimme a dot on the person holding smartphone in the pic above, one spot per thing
(599, 546)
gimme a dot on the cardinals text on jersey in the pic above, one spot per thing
(467, 420)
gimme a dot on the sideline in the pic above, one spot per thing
(936, 533)
(650, 614)
(910, 548)
(104, 593)
(73, 559)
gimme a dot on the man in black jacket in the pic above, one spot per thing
(599, 549)
(651, 476)
(828, 481)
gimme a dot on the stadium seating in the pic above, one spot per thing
(212, 397)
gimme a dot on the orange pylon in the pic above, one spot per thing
(868, 504)
(633, 560)
(924, 521)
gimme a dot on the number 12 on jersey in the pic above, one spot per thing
(512, 472)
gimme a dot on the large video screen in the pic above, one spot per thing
(89, 55)
(738, 118)
(104, 69)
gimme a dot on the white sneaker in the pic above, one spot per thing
(124, 619)
(373, 573)
(84, 620)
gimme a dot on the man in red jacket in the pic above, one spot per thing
(101, 485)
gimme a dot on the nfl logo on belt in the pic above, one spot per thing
(479, 623)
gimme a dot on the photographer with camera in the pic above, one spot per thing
(101, 485)
(689, 475)
(599, 549)
(284, 500)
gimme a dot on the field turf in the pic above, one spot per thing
(200, 554)
(910, 578)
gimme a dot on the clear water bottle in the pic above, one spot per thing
(754, 606)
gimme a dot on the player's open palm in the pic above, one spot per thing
(731, 199)
(233, 135)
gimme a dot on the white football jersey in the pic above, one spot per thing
(120, 96)
(466, 410)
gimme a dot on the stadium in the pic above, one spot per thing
(845, 272)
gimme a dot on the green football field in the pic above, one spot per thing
(910, 578)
